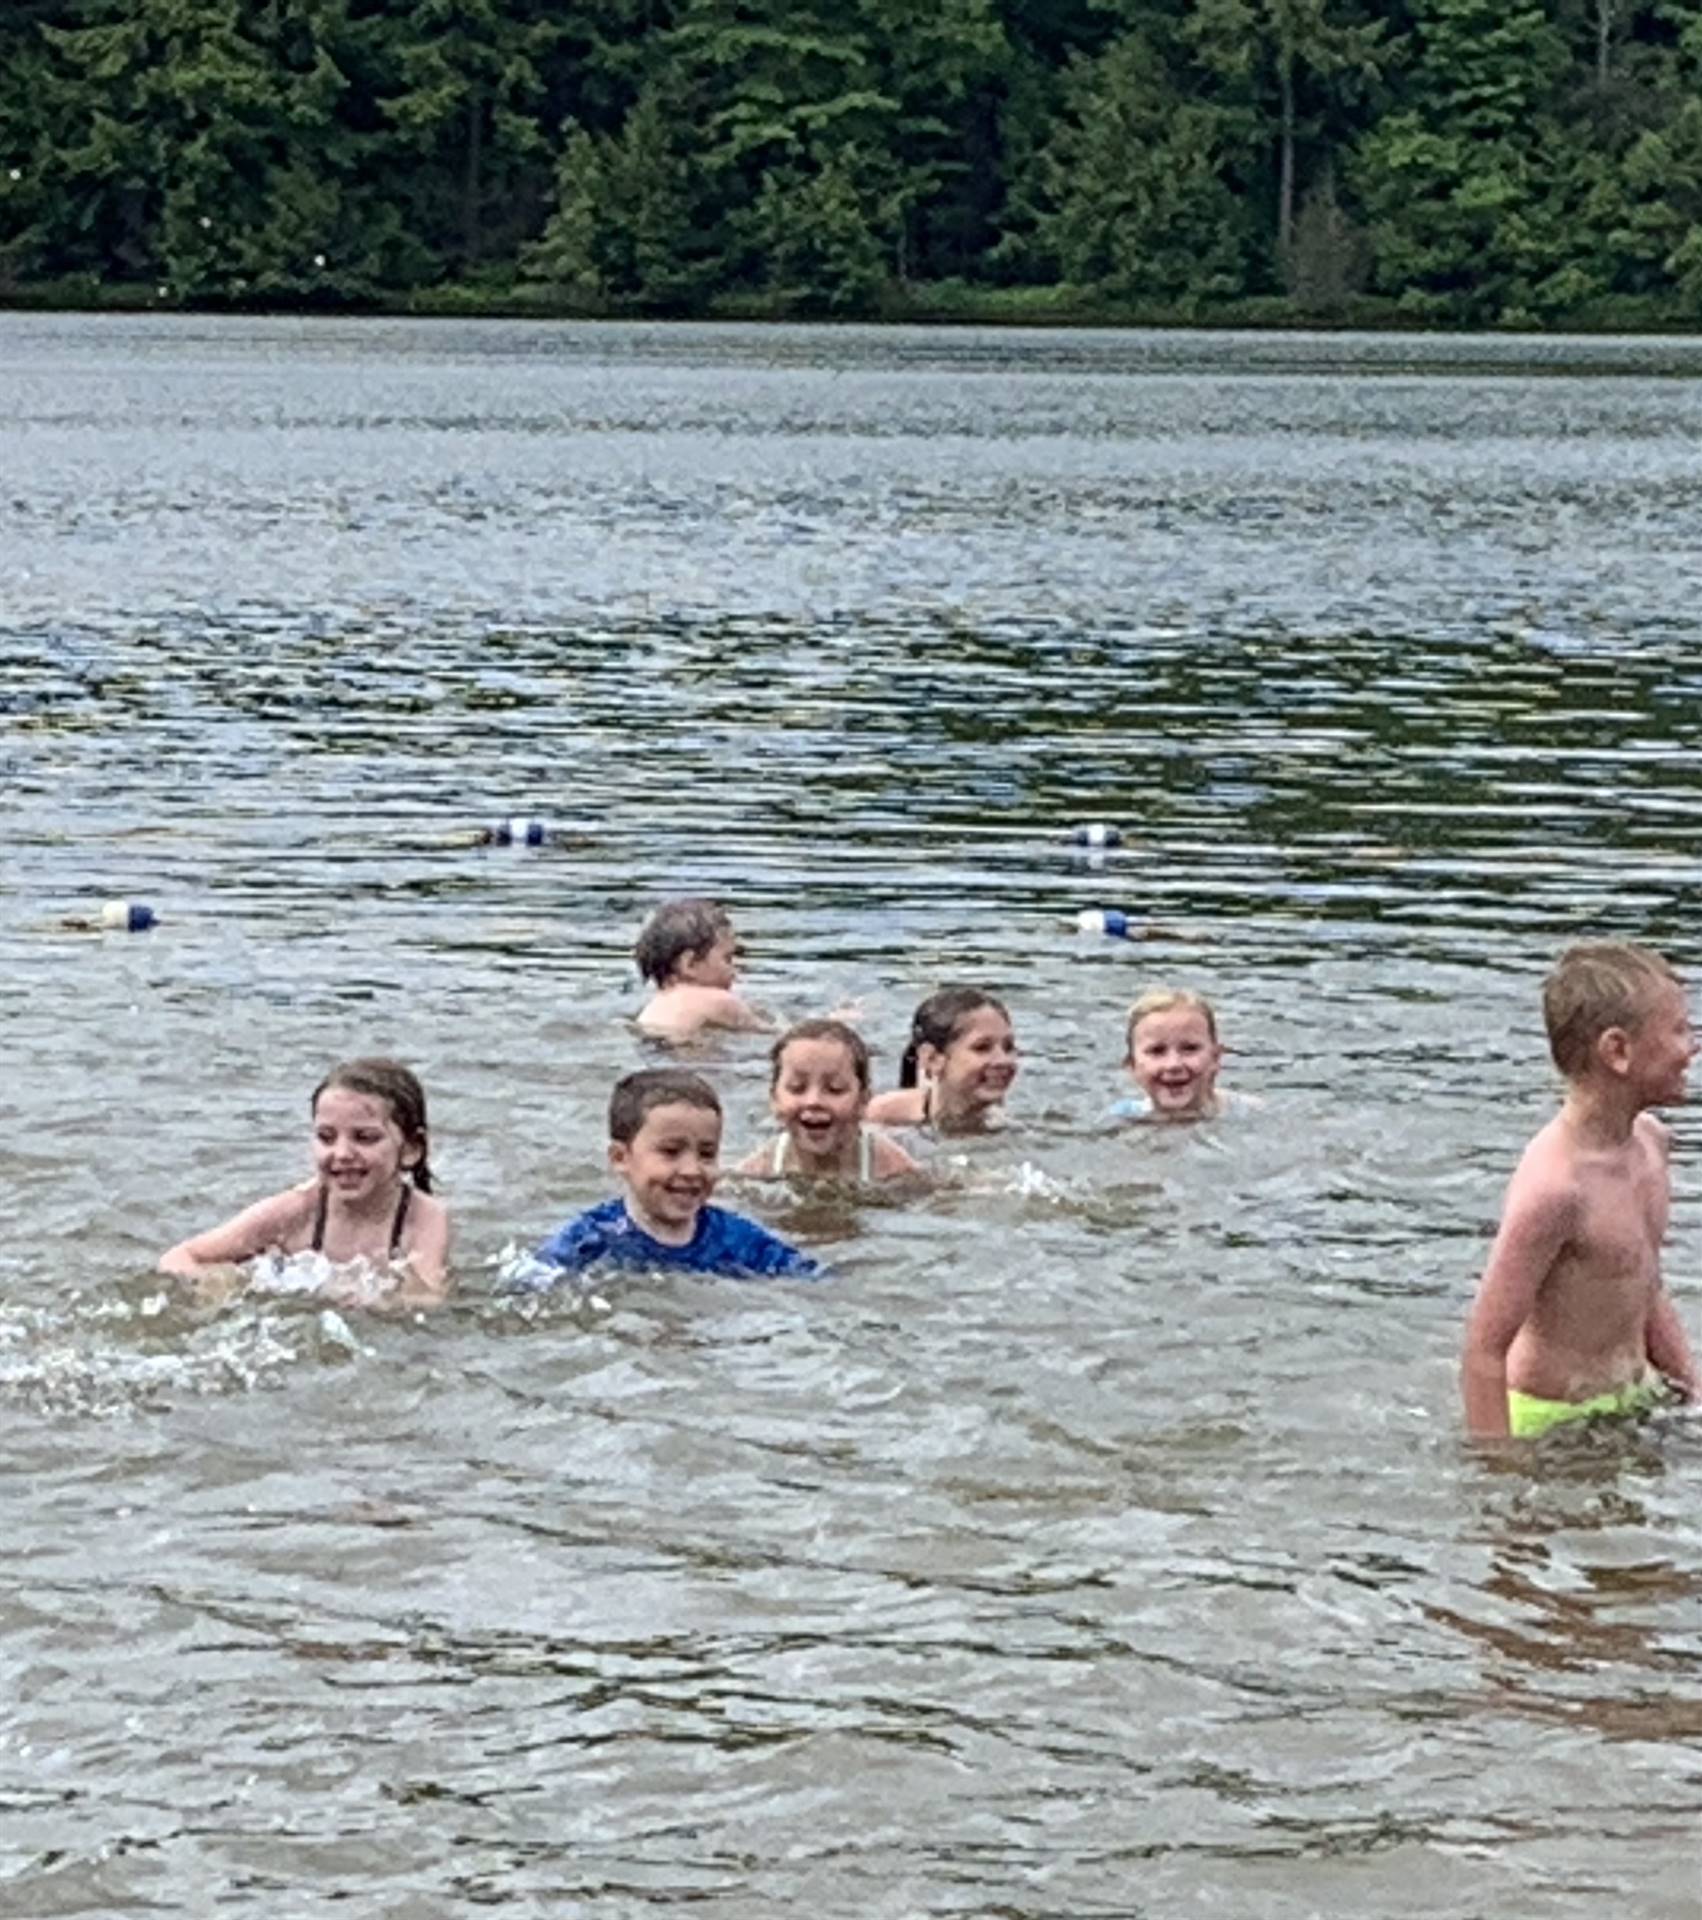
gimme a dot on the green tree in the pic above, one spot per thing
(33, 214)
(1453, 186)
(625, 229)
(824, 235)
(207, 144)
(461, 83)
(945, 65)
(776, 93)
(1661, 235)
(1134, 194)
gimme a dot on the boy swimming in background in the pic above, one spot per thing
(665, 1144)
(1571, 1318)
(688, 953)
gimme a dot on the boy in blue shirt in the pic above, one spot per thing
(665, 1143)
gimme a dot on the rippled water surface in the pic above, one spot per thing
(1099, 1542)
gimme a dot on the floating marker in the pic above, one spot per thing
(128, 916)
(519, 831)
(1119, 925)
(1096, 833)
(1111, 920)
(117, 916)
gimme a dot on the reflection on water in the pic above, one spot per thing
(1099, 1542)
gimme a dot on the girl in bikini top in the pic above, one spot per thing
(398, 1221)
(958, 1067)
(819, 1089)
(370, 1197)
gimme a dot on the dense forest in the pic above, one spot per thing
(1464, 161)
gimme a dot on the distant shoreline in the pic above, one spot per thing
(938, 304)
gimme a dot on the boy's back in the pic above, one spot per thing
(688, 952)
(680, 1011)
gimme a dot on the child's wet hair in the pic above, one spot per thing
(938, 1021)
(639, 1095)
(1596, 985)
(400, 1090)
(836, 1030)
(1167, 1000)
(675, 932)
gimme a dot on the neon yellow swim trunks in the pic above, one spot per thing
(1528, 1414)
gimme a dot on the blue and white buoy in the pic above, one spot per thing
(1108, 920)
(128, 916)
(517, 831)
(1096, 833)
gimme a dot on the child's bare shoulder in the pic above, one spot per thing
(901, 1107)
(289, 1211)
(671, 1012)
(676, 1013)
(1549, 1174)
(1655, 1134)
(428, 1209)
(757, 1164)
(282, 1220)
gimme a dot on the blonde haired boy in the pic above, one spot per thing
(1571, 1318)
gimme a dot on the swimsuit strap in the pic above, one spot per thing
(396, 1225)
(865, 1155)
(400, 1221)
(780, 1147)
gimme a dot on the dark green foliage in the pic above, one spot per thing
(1136, 192)
(1462, 160)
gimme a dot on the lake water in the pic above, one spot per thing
(1100, 1541)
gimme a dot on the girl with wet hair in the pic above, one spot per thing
(819, 1091)
(957, 1068)
(369, 1199)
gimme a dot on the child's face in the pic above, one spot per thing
(358, 1149)
(978, 1065)
(817, 1096)
(713, 966)
(1175, 1060)
(670, 1165)
(1661, 1047)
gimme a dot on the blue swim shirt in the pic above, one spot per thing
(724, 1242)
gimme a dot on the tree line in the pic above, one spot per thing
(1464, 161)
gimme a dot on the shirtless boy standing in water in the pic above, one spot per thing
(1571, 1318)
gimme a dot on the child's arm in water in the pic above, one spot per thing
(722, 1007)
(1536, 1223)
(271, 1222)
(424, 1267)
(1668, 1347)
